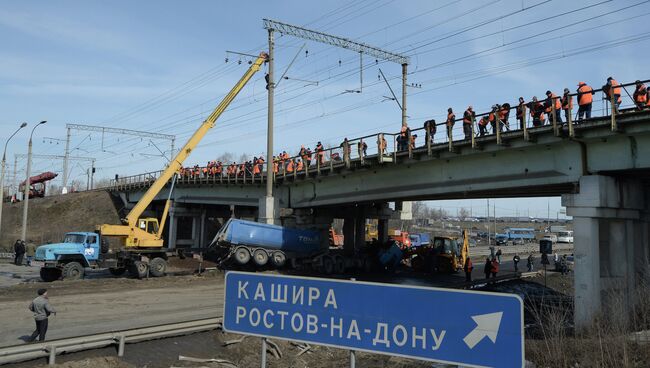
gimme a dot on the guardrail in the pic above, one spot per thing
(385, 147)
(51, 349)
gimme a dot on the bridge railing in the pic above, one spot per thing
(386, 147)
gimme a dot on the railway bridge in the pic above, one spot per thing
(600, 167)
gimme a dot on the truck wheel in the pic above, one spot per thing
(242, 255)
(117, 271)
(138, 269)
(339, 264)
(260, 257)
(328, 265)
(278, 259)
(73, 271)
(157, 267)
(50, 274)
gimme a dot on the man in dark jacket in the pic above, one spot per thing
(19, 250)
(487, 270)
(42, 310)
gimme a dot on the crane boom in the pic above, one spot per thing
(130, 229)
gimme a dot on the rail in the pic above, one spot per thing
(51, 349)
(386, 147)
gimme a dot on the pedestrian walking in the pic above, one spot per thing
(495, 268)
(30, 252)
(516, 260)
(498, 254)
(468, 269)
(487, 269)
(42, 309)
(530, 262)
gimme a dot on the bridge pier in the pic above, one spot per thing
(611, 246)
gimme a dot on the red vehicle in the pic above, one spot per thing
(37, 184)
(402, 237)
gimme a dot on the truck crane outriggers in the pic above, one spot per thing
(142, 249)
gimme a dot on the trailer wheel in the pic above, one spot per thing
(339, 264)
(278, 259)
(50, 274)
(260, 257)
(242, 255)
(328, 265)
(117, 271)
(157, 267)
(138, 269)
(73, 271)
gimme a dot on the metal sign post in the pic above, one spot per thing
(478, 328)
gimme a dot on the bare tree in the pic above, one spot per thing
(463, 214)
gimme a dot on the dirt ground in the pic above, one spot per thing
(51, 217)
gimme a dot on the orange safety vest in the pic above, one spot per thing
(502, 114)
(585, 97)
(616, 86)
(641, 95)
(491, 117)
(451, 119)
(290, 166)
(300, 166)
(483, 121)
(465, 119)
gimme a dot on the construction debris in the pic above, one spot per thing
(273, 348)
(222, 362)
(235, 341)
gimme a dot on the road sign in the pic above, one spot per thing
(450, 326)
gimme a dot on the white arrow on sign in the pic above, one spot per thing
(486, 325)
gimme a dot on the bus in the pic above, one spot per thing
(565, 236)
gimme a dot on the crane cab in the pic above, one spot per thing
(148, 224)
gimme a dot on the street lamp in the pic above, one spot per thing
(2, 175)
(27, 184)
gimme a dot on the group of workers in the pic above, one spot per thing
(541, 111)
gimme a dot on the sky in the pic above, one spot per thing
(160, 66)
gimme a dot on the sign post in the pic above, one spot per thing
(468, 328)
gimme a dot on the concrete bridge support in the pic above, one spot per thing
(612, 251)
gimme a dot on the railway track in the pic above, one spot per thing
(50, 349)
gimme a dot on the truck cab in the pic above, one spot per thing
(77, 250)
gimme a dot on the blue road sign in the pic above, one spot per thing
(450, 326)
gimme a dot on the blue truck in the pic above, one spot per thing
(262, 245)
(81, 250)
(515, 235)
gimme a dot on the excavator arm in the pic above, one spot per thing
(137, 237)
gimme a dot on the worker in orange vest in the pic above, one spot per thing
(320, 151)
(299, 165)
(640, 95)
(492, 119)
(567, 103)
(585, 99)
(468, 119)
(553, 101)
(451, 120)
(504, 114)
(431, 126)
(482, 125)
(289, 167)
(615, 87)
(381, 144)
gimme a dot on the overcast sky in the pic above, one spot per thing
(160, 66)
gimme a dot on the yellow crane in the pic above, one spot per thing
(146, 232)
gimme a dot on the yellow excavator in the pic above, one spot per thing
(141, 249)
(446, 255)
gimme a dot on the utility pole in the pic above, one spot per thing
(268, 214)
(4, 165)
(66, 160)
(404, 74)
(487, 218)
(23, 234)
